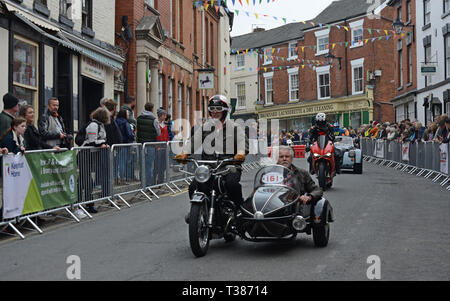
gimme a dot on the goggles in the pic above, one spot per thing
(216, 109)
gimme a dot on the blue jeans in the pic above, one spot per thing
(160, 164)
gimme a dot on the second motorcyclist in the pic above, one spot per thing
(322, 127)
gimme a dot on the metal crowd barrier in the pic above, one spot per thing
(107, 174)
(424, 158)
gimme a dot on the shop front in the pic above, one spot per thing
(349, 111)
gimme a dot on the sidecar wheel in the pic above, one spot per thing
(321, 234)
(198, 230)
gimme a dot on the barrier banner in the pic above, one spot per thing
(37, 182)
(405, 152)
(379, 149)
(444, 158)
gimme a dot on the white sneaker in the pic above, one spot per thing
(80, 214)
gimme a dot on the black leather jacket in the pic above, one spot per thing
(314, 133)
(233, 141)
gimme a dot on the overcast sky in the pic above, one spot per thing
(298, 10)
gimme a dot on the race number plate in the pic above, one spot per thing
(272, 178)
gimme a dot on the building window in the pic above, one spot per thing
(293, 84)
(323, 82)
(241, 101)
(180, 21)
(268, 56)
(268, 80)
(447, 56)
(446, 6)
(322, 41)
(358, 76)
(427, 60)
(408, 12)
(170, 98)
(160, 90)
(180, 101)
(357, 33)
(427, 12)
(64, 6)
(293, 51)
(150, 3)
(86, 12)
(240, 61)
(400, 63)
(188, 104)
(25, 71)
(399, 13)
(410, 65)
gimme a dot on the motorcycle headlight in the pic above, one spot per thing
(328, 155)
(202, 174)
(316, 155)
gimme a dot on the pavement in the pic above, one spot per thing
(401, 219)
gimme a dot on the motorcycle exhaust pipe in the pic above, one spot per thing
(299, 223)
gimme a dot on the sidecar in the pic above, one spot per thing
(275, 212)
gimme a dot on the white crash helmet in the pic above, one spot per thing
(321, 117)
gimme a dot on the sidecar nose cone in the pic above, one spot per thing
(259, 215)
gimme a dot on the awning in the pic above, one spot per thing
(62, 40)
(36, 20)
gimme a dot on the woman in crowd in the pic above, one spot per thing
(33, 140)
(96, 136)
(13, 139)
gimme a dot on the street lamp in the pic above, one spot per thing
(398, 26)
(331, 57)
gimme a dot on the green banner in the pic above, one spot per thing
(38, 181)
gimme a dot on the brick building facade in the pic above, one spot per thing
(172, 41)
(340, 64)
(405, 61)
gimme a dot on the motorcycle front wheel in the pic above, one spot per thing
(198, 230)
(322, 176)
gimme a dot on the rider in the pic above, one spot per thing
(311, 192)
(214, 129)
(322, 126)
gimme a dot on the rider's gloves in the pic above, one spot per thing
(181, 158)
(239, 157)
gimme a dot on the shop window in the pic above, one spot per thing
(25, 71)
(355, 120)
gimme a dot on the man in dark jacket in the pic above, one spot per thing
(10, 109)
(129, 105)
(52, 128)
(311, 192)
(147, 131)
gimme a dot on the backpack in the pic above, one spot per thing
(81, 136)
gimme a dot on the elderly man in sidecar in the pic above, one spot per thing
(308, 189)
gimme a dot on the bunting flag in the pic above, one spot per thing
(270, 52)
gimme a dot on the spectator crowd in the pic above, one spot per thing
(409, 131)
